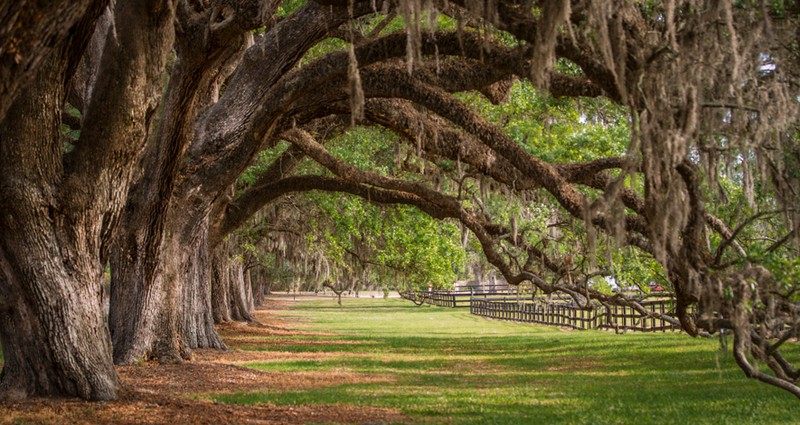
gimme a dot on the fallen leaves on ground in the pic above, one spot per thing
(171, 393)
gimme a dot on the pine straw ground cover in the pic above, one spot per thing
(179, 394)
(387, 361)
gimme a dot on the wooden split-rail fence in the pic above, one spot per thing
(559, 313)
(614, 317)
(453, 299)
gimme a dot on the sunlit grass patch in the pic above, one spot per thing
(445, 366)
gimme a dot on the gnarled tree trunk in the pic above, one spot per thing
(54, 338)
(54, 343)
(154, 314)
(219, 284)
(239, 292)
(198, 321)
(60, 209)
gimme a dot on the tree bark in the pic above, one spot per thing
(232, 297)
(239, 292)
(30, 31)
(219, 285)
(54, 338)
(60, 209)
(248, 291)
(258, 287)
(173, 313)
(198, 321)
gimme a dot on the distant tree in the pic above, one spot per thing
(337, 289)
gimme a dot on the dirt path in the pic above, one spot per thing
(167, 394)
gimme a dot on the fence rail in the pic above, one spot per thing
(454, 299)
(534, 312)
(625, 318)
(555, 312)
(616, 318)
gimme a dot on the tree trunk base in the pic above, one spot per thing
(57, 345)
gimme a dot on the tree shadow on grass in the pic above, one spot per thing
(508, 382)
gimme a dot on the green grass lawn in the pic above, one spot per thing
(450, 367)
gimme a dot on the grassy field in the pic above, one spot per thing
(449, 367)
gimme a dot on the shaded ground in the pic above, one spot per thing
(156, 394)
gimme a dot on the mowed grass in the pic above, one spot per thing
(447, 366)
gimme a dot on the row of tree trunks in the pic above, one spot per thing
(232, 293)
(182, 309)
(163, 301)
(261, 284)
(165, 251)
(166, 222)
(163, 247)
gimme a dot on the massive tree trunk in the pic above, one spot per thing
(60, 210)
(139, 291)
(219, 284)
(150, 268)
(54, 338)
(198, 322)
(178, 318)
(55, 343)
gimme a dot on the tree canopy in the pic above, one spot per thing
(565, 141)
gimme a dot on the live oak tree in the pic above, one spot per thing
(60, 203)
(184, 179)
(231, 94)
(208, 146)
